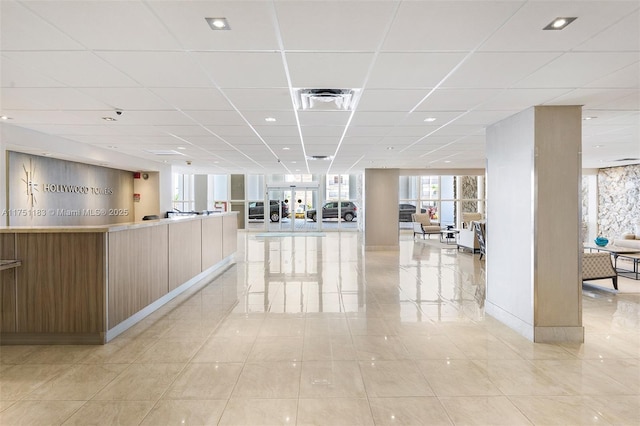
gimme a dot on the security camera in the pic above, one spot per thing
(119, 112)
(188, 162)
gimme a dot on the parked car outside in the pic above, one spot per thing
(256, 210)
(406, 210)
(348, 211)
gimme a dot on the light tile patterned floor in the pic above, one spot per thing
(313, 330)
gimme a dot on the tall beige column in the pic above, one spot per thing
(533, 223)
(381, 231)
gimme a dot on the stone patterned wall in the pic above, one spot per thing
(585, 208)
(618, 200)
(469, 188)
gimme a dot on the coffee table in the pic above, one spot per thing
(449, 235)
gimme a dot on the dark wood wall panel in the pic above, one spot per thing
(211, 241)
(138, 270)
(185, 246)
(7, 286)
(60, 283)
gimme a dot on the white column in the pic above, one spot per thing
(533, 223)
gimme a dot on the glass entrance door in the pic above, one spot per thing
(296, 206)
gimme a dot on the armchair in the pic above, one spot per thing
(467, 237)
(422, 224)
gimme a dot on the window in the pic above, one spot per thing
(183, 194)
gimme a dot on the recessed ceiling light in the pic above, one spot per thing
(270, 119)
(218, 23)
(447, 161)
(390, 148)
(182, 147)
(112, 146)
(589, 118)
(297, 170)
(430, 119)
(109, 119)
(4, 117)
(293, 162)
(559, 23)
(597, 146)
(286, 148)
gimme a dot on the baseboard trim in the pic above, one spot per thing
(51, 339)
(508, 319)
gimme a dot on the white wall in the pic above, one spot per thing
(18, 139)
(509, 261)
(3, 184)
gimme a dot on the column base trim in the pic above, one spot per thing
(559, 334)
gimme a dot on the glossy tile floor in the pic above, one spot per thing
(313, 330)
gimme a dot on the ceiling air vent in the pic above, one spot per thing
(326, 99)
(319, 157)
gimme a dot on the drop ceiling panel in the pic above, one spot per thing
(457, 99)
(369, 131)
(216, 118)
(461, 26)
(173, 118)
(327, 131)
(333, 25)
(483, 118)
(258, 118)
(521, 99)
(58, 98)
(71, 131)
(257, 69)
(416, 131)
(378, 118)
(328, 70)
(278, 131)
(15, 75)
(411, 70)
(251, 24)
(183, 131)
(108, 25)
(323, 118)
(623, 36)
(159, 69)
(24, 30)
(76, 69)
(278, 99)
(497, 70)
(625, 78)
(593, 17)
(591, 98)
(573, 70)
(627, 103)
(231, 130)
(127, 99)
(390, 100)
(192, 98)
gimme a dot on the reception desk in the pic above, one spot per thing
(88, 284)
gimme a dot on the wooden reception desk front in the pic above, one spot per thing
(88, 284)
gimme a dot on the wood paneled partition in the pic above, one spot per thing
(8, 285)
(79, 284)
(138, 270)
